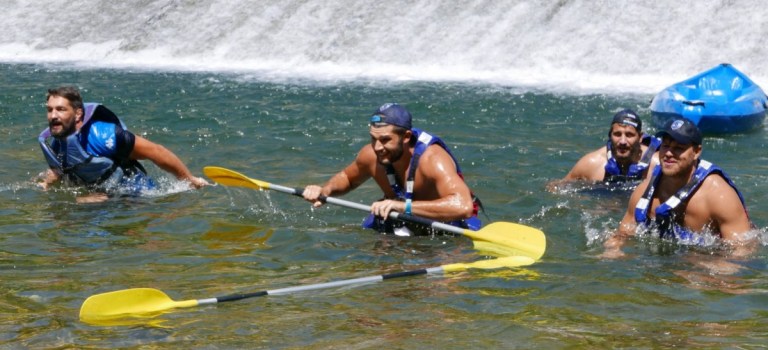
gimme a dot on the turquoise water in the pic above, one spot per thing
(54, 253)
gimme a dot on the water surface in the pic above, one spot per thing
(218, 240)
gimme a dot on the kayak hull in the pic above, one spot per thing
(721, 100)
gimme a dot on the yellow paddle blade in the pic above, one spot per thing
(499, 238)
(228, 177)
(508, 261)
(493, 249)
(128, 302)
(509, 239)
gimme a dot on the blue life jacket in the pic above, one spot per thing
(69, 156)
(635, 171)
(423, 140)
(664, 221)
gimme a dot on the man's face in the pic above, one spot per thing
(625, 142)
(677, 159)
(62, 118)
(387, 144)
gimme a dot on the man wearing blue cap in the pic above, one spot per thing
(685, 197)
(415, 170)
(626, 156)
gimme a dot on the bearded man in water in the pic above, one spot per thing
(626, 156)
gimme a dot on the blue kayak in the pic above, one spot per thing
(721, 100)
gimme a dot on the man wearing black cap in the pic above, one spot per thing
(415, 170)
(685, 196)
(625, 157)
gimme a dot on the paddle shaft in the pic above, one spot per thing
(393, 214)
(521, 246)
(303, 288)
(515, 239)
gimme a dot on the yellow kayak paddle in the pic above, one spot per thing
(106, 308)
(506, 238)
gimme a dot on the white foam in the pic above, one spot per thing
(579, 46)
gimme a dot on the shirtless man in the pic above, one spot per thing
(626, 156)
(685, 196)
(424, 177)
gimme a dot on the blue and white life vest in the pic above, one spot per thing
(635, 171)
(424, 140)
(69, 157)
(664, 220)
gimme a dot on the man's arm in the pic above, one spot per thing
(590, 167)
(48, 178)
(627, 226)
(357, 172)
(165, 159)
(730, 217)
(614, 243)
(726, 209)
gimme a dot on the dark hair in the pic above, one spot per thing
(71, 93)
(399, 130)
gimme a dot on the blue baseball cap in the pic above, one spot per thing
(393, 114)
(628, 117)
(681, 130)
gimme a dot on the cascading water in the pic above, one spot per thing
(632, 46)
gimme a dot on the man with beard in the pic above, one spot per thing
(88, 145)
(685, 197)
(625, 157)
(415, 170)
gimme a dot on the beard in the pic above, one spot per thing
(394, 156)
(634, 151)
(65, 129)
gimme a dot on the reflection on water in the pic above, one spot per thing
(245, 237)
(150, 320)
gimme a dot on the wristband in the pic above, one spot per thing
(408, 206)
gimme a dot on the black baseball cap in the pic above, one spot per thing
(628, 117)
(681, 130)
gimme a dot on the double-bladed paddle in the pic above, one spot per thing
(105, 308)
(518, 245)
(509, 239)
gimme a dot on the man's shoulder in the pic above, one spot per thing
(714, 187)
(435, 152)
(366, 152)
(714, 181)
(591, 166)
(102, 138)
(435, 158)
(101, 129)
(366, 157)
(596, 157)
